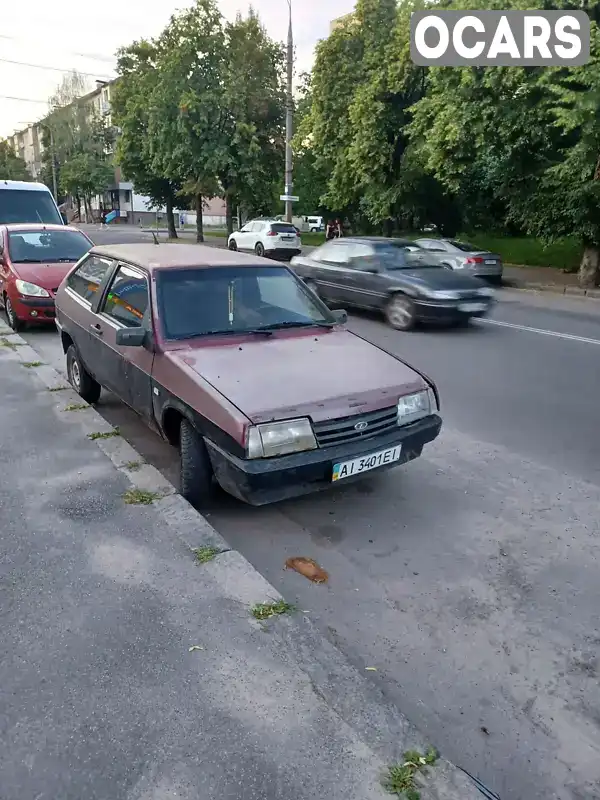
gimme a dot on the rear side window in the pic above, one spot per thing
(127, 298)
(283, 227)
(464, 246)
(87, 278)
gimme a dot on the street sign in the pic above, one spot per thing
(290, 198)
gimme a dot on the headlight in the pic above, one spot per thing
(30, 289)
(443, 295)
(280, 438)
(412, 407)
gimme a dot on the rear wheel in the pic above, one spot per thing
(232, 244)
(196, 471)
(15, 323)
(259, 249)
(400, 312)
(80, 379)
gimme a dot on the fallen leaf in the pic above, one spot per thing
(371, 669)
(195, 647)
(307, 567)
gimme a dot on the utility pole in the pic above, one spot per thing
(54, 186)
(289, 123)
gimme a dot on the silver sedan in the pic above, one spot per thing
(469, 259)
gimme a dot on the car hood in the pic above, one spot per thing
(436, 278)
(323, 375)
(48, 276)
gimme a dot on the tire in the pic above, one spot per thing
(400, 312)
(15, 323)
(232, 244)
(196, 473)
(446, 266)
(259, 249)
(80, 379)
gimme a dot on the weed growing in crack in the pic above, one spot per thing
(400, 778)
(265, 610)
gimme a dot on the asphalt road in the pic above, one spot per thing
(469, 578)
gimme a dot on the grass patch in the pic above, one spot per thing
(133, 466)
(103, 434)
(30, 364)
(140, 497)
(205, 554)
(265, 610)
(4, 342)
(76, 407)
(400, 778)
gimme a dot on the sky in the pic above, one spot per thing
(86, 38)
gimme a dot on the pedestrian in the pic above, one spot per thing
(339, 231)
(330, 231)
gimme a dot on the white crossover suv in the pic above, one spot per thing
(267, 237)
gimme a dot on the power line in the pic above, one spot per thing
(54, 69)
(90, 56)
(22, 99)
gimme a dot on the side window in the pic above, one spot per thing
(433, 246)
(86, 279)
(358, 252)
(337, 254)
(127, 298)
(282, 292)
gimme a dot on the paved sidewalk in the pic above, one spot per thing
(129, 671)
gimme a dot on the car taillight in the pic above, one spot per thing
(271, 233)
(474, 260)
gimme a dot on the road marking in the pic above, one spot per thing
(558, 335)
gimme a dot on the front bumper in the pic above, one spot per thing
(34, 309)
(451, 310)
(269, 480)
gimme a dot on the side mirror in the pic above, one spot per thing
(131, 337)
(341, 316)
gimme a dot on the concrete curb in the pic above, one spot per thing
(358, 701)
(569, 291)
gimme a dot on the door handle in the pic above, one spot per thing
(96, 329)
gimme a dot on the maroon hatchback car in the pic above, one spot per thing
(239, 365)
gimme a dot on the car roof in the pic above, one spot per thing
(370, 240)
(38, 226)
(153, 257)
(26, 185)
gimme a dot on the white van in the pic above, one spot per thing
(21, 201)
(315, 224)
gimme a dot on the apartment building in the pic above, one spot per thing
(340, 22)
(120, 196)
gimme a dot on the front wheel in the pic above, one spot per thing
(233, 244)
(259, 249)
(80, 379)
(400, 313)
(15, 323)
(196, 473)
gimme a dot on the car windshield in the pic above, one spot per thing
(397, 256)
(466, 248)
(46, 246)
(283, 227)
(27, 205)
(224, 300)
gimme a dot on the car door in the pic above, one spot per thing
(4, 268)
(366, 283)
(83, 291)
(126, 370)
(242, 237)
(331, 271)
(435, 248)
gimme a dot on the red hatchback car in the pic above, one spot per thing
(33, 261)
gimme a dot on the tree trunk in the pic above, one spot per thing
(172, 232)
(388, 228)
(589, 268)
(78, 199)
(199, 223)
(228, 214)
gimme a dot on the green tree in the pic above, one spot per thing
(252, 119)
(186, 106)
(12, 168)
(310, 183)
(137, 81)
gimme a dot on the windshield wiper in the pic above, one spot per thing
(30, 261)
(274, 326)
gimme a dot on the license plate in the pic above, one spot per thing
(490, 261)
(472, 307)
(345, 469)
(288, 238)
